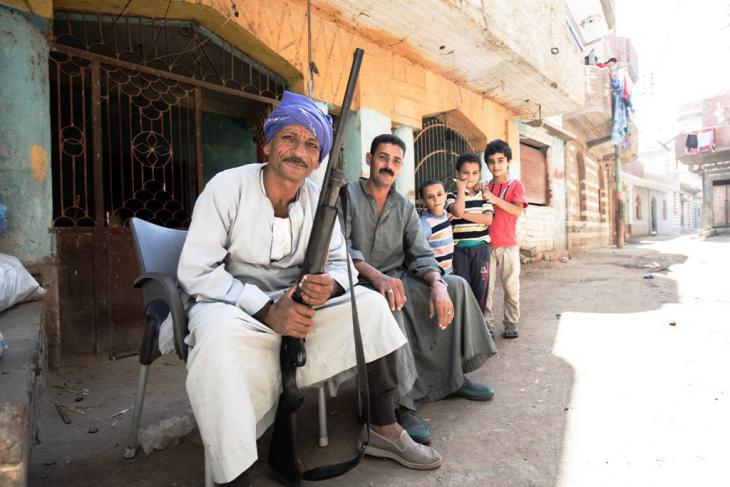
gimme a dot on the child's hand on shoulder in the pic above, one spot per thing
(483, 187)
(460, 185)
(487, 195)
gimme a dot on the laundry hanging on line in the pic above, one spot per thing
(700, 141)
(622, 107)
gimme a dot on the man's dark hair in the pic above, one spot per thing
(498, 146)
(427, 183)
(387, 139)
(467, 157)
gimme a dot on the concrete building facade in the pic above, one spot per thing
(710, 117)
(577, 208)
(592, 202)
(491, 66)
(669, 191)
(542, 229)
(655, 207)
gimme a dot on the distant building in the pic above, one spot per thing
(673, 195)
(580, 202)
(703, 145)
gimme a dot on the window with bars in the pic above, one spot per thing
(437, 146)
(129, 98)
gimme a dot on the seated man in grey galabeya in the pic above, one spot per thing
(240, 266)
(439, 314)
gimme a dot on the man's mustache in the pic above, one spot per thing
(385, 170)
(295, 160)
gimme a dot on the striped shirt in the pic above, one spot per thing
(467, 233)
(437, 230)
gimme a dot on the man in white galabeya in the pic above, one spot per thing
(239, 266)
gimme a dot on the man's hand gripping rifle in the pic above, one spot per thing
(283, 455)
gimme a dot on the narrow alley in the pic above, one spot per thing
(617, 379)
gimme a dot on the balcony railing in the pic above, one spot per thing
(593, 120)
(720, 152)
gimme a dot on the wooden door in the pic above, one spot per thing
(720, 205)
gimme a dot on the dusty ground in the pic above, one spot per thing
(615, 380)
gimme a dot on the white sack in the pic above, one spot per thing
(16, 283)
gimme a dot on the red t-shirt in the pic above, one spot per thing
(503, 230)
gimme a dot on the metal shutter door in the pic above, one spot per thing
(533, 173)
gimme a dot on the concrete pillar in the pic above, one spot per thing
(513, 139)
(558, 189)
(25, 136)
(406, 182)
(707, 213)
(365, 125)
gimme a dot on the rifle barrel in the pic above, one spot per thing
(334, 159)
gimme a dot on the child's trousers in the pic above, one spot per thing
(472, 263)
(505, 266)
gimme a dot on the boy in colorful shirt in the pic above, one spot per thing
(472, 217)
(436, 222)
(509, 200)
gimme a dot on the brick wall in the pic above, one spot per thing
(539, 228)
(587, 202)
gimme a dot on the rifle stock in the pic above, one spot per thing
(283, 455)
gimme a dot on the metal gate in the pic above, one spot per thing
(127, 97)
(437, 146)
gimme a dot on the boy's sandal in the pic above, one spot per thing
(510, 331)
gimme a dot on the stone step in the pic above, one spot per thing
(22, 379)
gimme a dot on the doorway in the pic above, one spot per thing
(143, 112)
(720, 209)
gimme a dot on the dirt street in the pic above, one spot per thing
(616, 380)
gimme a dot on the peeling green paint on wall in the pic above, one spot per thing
(25, 136)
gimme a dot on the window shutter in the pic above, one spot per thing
(533, 173)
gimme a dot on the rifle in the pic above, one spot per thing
(283, 455)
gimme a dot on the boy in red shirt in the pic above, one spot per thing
(508, 198)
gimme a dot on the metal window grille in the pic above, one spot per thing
(126, 108)
(437, 146)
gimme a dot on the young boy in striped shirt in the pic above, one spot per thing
(436, 222)
(472, 215)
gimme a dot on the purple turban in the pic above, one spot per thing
(299, 110)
